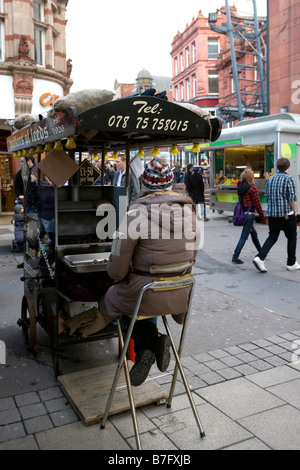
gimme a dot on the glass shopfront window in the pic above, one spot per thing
(231, 162)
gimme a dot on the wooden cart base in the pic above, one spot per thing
(88, 392)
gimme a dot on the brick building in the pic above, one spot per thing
(194, 54)
(202, 64)
(284, 55)
(33, 70)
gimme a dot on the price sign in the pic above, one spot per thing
(88, 174)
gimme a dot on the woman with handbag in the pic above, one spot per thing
(248, 194)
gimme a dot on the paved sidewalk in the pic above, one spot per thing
(248, 398)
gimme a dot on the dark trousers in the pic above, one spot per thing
(289, 227)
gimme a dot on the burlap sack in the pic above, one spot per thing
(24, 120)
(89, 322)
(82, 100)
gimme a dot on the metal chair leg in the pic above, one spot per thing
(186, 385)
(177, 353)
(123, 363)
(130, 394)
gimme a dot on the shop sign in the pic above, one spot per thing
(47, 99)
(63, 125)
(289, 150)
(223, 143)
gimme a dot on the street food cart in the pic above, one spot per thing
(255, 144)
(65, 270)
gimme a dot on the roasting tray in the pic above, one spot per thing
(87, 262)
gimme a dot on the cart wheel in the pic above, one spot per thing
(45, 315)
(28, 324)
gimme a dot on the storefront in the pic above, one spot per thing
(255, 144)
(7, 171)
(44, 95)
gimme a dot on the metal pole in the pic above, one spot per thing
(234, 63)
(259, 60)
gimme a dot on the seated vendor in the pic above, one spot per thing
(157, 238)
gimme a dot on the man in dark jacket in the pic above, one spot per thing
(195, 187)
(18, 183)
(187, 175)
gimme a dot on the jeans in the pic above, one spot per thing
(248, 229)
(199, 207)
(289, 227)
(48, 225)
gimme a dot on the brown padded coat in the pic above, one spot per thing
(158, 229)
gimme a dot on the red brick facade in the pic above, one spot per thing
(192, 65)
(284, 55)
(283, 62)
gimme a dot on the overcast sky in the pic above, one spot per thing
(115, 39)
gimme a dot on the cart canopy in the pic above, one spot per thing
(138, 121)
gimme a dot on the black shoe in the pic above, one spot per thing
(237, 261)
(139, 372)
(21, 265)
(162, 352)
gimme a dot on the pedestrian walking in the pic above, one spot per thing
(187, 175)
(176, 172)
(195, 186)
(248, 194)
(281, 211)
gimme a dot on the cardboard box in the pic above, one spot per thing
(58, 167)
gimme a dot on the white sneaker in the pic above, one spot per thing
(259, 264)
(295, 267)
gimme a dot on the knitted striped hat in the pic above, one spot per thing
(157, 175)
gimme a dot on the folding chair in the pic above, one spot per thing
(179, 282)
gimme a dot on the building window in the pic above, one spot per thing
(188, 90)
(213, 82)
(187, 57)
(176, 65)
(1, 6)
(39, 46)
(181, 62)
(38, 10)
(182, 91)
(194, 85)
(2, 41)
(194, 51)
(213, 48)
(176, 94)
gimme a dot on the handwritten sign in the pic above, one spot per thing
(61, 126)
